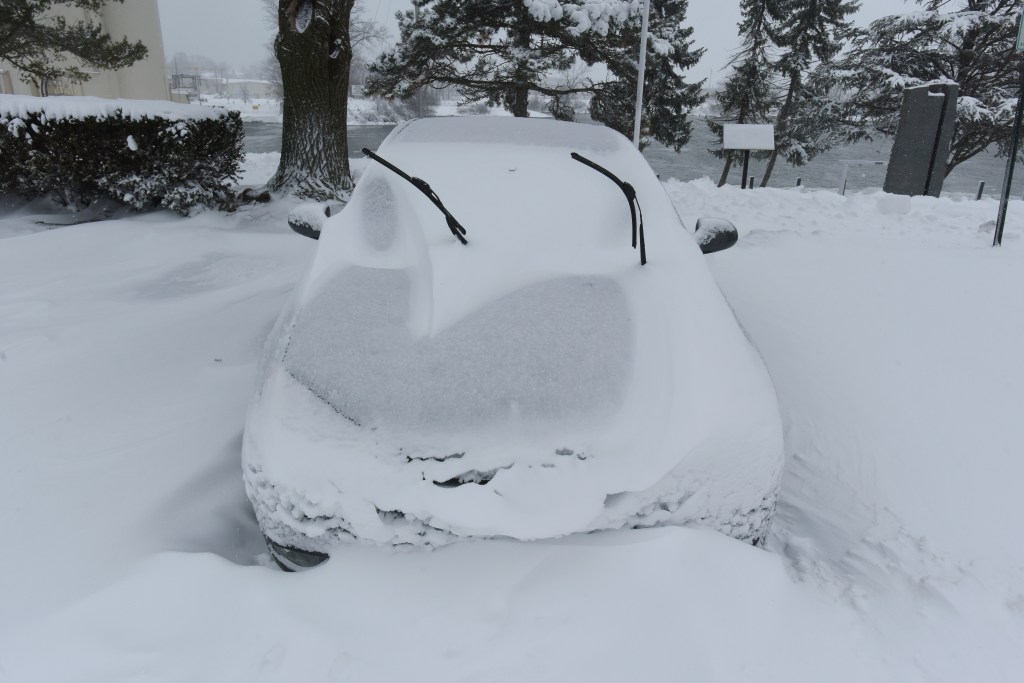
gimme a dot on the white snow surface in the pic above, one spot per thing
(20, 106)
(892, 331)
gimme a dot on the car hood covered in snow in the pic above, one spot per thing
(536, 382)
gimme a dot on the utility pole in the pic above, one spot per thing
(1004, 199)
(640, 73)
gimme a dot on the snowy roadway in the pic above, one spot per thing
(892, 331)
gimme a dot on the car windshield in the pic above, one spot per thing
(558, 349)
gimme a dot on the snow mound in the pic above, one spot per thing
(19, 106)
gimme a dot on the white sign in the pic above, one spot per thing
(748, 136)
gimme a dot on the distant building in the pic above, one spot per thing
(144, 80)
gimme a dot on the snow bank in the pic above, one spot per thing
(362, 111)
(127, 357)
(259, 168)
(21, 106)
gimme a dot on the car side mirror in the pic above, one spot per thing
(715, 234)
(308, 219)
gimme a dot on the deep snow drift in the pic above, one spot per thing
(892, 332)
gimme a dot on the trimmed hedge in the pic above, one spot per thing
(142, 154)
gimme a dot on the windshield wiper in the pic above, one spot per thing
(423, 187)
(634, 205)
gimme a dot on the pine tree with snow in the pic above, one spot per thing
(967, 42)
(814, 32)
(501, 52)
(820, 118)
(38, 41)
(746, 95)
(668, 97)
(495, 52)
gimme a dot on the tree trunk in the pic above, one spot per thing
(315, 52)
(780, 123)
(519, 94)
(725, 169)
(520, 101)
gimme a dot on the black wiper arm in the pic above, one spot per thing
(423, 187)
(634, 205)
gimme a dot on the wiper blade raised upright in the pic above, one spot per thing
(634, 205)
(423, 187)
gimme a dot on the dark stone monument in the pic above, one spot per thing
(917, 165)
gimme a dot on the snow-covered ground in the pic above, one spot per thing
(361, 110)
(892, 331)
(255, 109)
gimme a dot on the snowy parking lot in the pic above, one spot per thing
(892, 331)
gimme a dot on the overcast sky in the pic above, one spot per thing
(235, 31)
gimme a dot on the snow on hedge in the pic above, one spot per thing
(22, 106)
(144, 154)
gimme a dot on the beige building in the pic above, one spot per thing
(144, 80)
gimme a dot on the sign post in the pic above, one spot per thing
(746, 137)
(997, 238)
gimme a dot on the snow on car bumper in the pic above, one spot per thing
(317, 488)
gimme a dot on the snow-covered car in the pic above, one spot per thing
(478, 350)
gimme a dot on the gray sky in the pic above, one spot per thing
(234, 31)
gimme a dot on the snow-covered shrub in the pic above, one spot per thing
(378, 110)
(143, 154)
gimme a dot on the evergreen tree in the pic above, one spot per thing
(500, 52)
(38, 41)
(493, 51)
(746, 96)
(815, 31)
(969, 42)
(820, 118)
(667, 96)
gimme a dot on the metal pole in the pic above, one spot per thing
(641, 70)
(981, 190)
(746, 164)
(997, 239)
